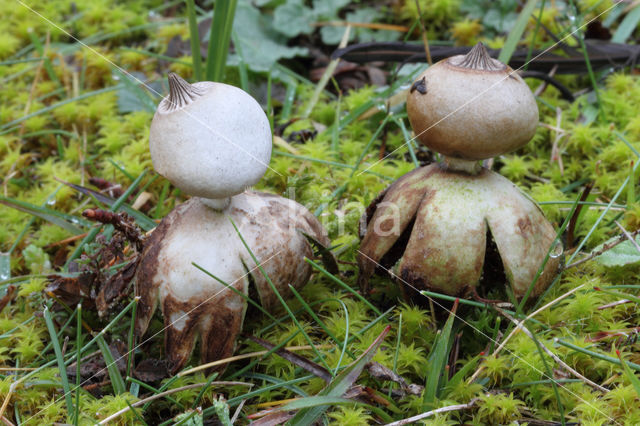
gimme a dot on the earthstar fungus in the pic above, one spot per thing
(433, 227)
(213, 141)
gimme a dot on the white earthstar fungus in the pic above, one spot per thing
(213, 141)
(445, 226)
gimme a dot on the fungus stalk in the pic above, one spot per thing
(472, 167)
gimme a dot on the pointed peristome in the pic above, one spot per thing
(181, 93)
(478, 59)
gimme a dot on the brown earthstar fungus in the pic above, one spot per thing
(212, 141)
(434, 226)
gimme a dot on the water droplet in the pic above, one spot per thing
(51, 202)
(557, 250)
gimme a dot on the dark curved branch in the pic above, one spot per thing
(566, 93)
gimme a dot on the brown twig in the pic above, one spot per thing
(555, 149)
(574, 219)
(423, 31)
(120, 221)
(621, 238)
(8, 297)
(544, 84)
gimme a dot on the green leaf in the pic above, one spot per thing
(624, 254)
(328, 9)
(340, 383)
(332, 35)
(627, 26)
(494, 19)
(132, 97)
(258, 40)
(293, 18)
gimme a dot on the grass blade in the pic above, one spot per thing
(277, 293)
(117, 382)
(46, 61)
(343, 285)
(131, 340)
(328, 73)
(516, 32)
(144, 221)
(60, 359)
(194, 38)
(324, 401)
(219, 39)
(76, 417)
(438, 360)
(59, 104)
(321, 323)
(627, 372)
(297, 360)
(66, 221)
(620, 294)
(154, 391)
(597, 355)
(340, 383)
(203, 390)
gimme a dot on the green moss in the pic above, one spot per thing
(100, 136)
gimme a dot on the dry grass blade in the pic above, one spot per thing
(554, 356)
(245, 356)
(520, 324)
(328, 73)
(431, 413)
(165, 393)
(627, 235)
